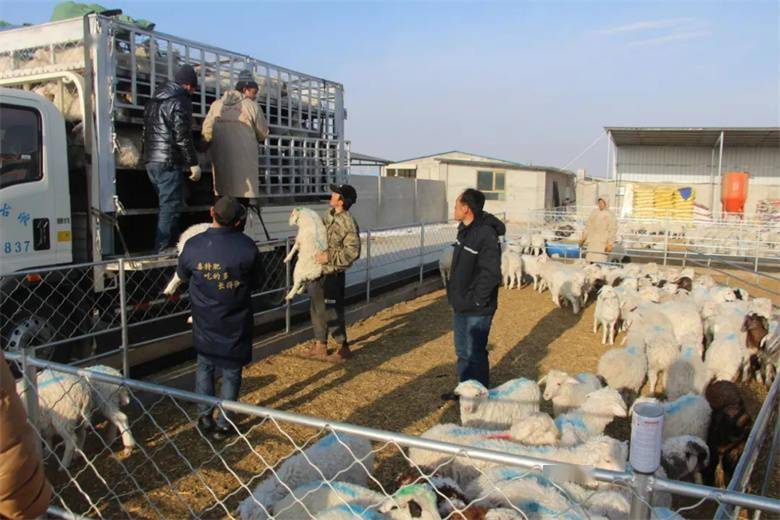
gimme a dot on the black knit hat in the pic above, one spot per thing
(186, 76)
(246, 80)
(347, 192)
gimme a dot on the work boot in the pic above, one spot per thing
(342, 354)
(318, 350)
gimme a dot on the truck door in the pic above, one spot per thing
(35, 227)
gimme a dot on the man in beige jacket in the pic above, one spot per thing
(600, 233)
(233, 127)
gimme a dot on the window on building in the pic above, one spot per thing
(20, 145)
(492, 184)
(408, 173)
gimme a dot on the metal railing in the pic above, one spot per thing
(99, 309)
(175, 470)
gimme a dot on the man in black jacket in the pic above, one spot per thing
(472, 289)
(223, 267)
(169, 150)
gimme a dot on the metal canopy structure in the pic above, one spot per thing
(705, 136)
(361, 159)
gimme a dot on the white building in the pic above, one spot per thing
(511, 188)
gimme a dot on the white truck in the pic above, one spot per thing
(74, 195)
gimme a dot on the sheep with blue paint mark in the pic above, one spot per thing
(661, 346)
(686, 415)
(65, 407)
(592, 417)
(109, 398)
(725, 357)
(347, 458)
(497, 408)
(319, 495)
(600, 451)
(687, 374)
(567, 392)
(625, 369)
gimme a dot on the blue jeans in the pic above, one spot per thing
(471, 337)
(204, 384)
(169, 185)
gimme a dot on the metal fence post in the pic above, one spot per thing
(287, 286)
(123, 317)
(422, 251)
(758, 251)
(666, 242)
(30, 389)
(640, 510)
(770, 464)
(368, 266)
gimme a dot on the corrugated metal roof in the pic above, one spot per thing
(703, 136)
(504, 165)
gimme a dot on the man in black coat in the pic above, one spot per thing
(472, 289)
(222, 266)
(169, 150)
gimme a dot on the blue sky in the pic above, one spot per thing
(532, 82)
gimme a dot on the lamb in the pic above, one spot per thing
(725, 357)
(537, 244)
(728, 431)
(762, 307)
(335, 456)
(607, 314)
(316, 496)
(310, 240)
(537, 429)
(590, 419)
(660, 346)
(601, 451)
(687, 415)
(685, 457)
(684, 317)
(499, 407)
(532, 266)
(687, 374)
(188, 233)
(567, 392)
(564, 281)
(511, 269)
(624, 369)
(445, 264)
(410, 502)
(64, 407)
(108, 399)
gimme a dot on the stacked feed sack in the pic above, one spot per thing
(663, 201)
(643, 201)
(683, 203)
(701, 213)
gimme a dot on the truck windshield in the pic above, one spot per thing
(20, 145)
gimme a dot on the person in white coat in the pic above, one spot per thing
(234, 127)
(600, 233)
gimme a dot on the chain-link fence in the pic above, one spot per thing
(89, 311)
(285, 465)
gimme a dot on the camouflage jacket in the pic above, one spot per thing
(343, 241)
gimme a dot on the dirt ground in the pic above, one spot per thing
(404, 360)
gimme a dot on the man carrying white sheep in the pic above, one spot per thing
(472, 289)
(326, 294)
(222, 266)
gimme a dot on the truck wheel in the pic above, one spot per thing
(36, 331)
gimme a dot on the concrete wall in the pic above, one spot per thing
(390, 201)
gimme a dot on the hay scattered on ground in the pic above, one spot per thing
(404, 359)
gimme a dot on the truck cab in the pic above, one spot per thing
(35, 223)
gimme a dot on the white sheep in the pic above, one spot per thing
(725, 357)
(537, 244)
(537, 429)
(688, 374)
(590, 419)
(661, 347)
(683, 315)
(188, 233)
(416, 501)
(686, 415)
(532, 266)
(607, 314)
(336, 456)
(593, 275)
(511, 269)
(499, 407)
(108, 399)
(64, 407)
(310, 240)
(601, 451)
(567, 392)
(625, 368)
(684, 457)
(564, 281)
(445, 264)
(762, 307)
(317, 496)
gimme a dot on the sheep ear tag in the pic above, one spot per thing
(582, 475)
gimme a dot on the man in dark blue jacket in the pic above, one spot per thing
(472, 289)
(222, 266)
(169, 150)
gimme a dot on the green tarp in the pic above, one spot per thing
(67, 10)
